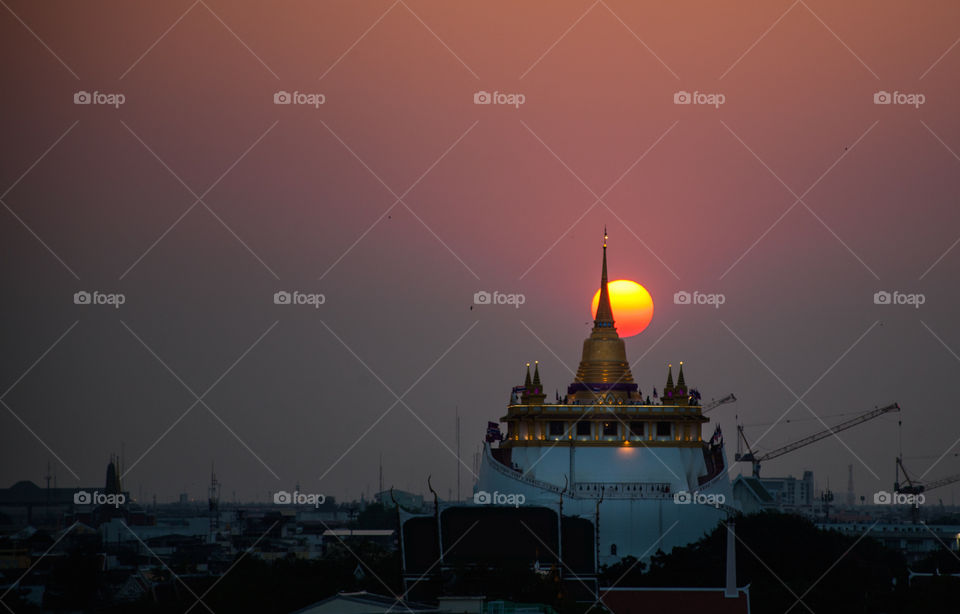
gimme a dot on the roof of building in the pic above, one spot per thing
(26, 492)
(364, 603)
(641, 600)
(360, 532)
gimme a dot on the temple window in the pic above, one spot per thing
(610, 429)
(556, 428)
(637, 429)
(663, 429)
(583, 428)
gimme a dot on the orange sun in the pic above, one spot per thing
(632, 306)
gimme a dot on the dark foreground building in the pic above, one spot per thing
(468, 549)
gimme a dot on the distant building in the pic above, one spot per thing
(915, 540)
(411, 501)
(26, 504)
(386, 538)
(789, 491)
(95, 506)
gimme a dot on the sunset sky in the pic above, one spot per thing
(798, 198)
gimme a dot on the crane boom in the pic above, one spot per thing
(915, 487)
(756, 459)
(790, 447)
(730, 398)
(942, 482)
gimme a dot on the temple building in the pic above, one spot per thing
(636, 467)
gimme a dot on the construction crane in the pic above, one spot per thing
(715, 404)
(915, 487)
(756, 458)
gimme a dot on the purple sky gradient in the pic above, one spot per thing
(506, 208)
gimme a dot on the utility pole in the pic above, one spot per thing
(459, 462)
(851, 497)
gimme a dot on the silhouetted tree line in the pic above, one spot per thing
(785, 558)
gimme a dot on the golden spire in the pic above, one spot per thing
(604, 317)
(603, 366)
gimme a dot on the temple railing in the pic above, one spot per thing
(622, 490)
(518, 475)
(594, 490)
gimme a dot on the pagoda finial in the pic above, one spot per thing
(526, 382)
(669, 386)
(536, 376)
(680, 383)
(603, 364)
(604, 317)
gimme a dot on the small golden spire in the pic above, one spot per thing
(534, 389)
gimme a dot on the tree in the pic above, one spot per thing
(785, 557)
